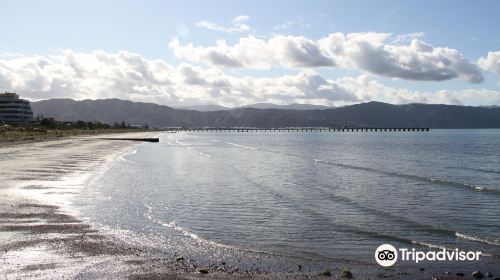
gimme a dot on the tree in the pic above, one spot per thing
(81, 124)
(48, 122)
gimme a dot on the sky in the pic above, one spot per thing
(235, 53)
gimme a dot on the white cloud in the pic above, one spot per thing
(407, 38)
(237, 25)
(367, 89)
(297, 23)
(240, 19)
(369, 52)
(251, 52)
(126, 75)
(491, 62)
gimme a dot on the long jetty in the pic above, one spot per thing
(302, 129)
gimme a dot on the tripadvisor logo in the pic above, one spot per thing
(387, 255)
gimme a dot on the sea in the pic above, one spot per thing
(287, 201)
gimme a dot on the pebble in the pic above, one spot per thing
(347, 274)
(477, 274)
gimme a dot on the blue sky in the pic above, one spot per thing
(37, 34)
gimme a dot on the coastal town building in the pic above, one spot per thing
(14, 110)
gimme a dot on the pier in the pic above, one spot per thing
(302, 129)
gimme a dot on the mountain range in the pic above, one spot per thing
(371, 114)
(295, 106)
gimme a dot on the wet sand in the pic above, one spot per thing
(41, 237)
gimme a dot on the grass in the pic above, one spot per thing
(326, 273)
(346, 272)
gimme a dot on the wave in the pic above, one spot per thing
(384, 214)
(342, 227)
(476, 169)
(241, 146)
(178, 228)
(126, 154)
(476, 239)
(428, 245)
(413, 177)
(212, 244)
(191, 149)
(355, 230)
(194, 150)
(339, 227)
(181, 143)
(126, 160)
(441, 247)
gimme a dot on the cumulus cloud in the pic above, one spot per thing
(367, 89)
(83, 75)
(406, 38)
(370, 52)
(251, 52)
(238, 24)
(491, 62)
(125, 75)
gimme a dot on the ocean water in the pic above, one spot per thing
(274, 200)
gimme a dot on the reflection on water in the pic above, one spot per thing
(307, 196)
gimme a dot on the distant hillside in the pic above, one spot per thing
(294, 106)
(372, 114)
(203, 108)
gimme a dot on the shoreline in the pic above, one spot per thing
(41, 238)
(38, 236)
(18, 137)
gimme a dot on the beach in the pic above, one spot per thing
(43, 236)
(40, 238)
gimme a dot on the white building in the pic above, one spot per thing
(14, 110)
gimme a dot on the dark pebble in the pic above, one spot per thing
(477, 274)
(326, 273)
(347, 274)
(203, 271)
(460, 274)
